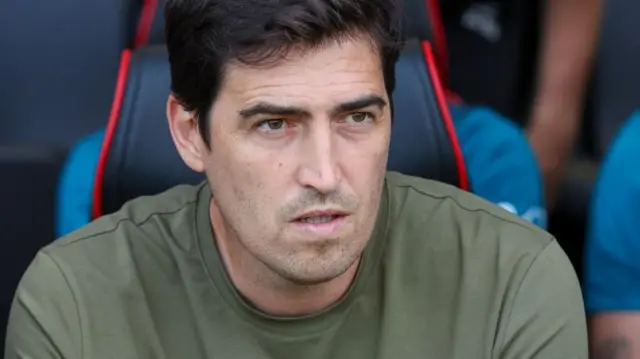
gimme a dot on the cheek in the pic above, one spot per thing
(366, 159)
(365, 171)
(243, 181)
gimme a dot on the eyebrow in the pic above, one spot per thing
(265, 108)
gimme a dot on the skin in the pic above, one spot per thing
(615, 335)
(308, 133)
(568, 46)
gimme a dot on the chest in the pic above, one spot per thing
(401, 324)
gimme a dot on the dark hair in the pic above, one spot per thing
(204, 35)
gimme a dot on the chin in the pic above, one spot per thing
(310, 281)
(316, 270)
(313, 279)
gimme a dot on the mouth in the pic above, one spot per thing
(319, 217)
(322, 223)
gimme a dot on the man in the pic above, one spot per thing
(501, 165)
(612, 262)
(299, 245)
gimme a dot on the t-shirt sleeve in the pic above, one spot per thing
(612, 260)
(44, 322)
(547, 318)
(501, 163)
(75, 189)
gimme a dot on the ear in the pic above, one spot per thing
(185, 134)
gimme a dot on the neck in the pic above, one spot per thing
(265, 289)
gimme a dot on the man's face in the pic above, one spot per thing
(298, 157)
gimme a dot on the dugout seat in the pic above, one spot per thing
(139, 157)
(423, 20)
(58, 66)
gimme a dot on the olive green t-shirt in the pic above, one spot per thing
(445, 275)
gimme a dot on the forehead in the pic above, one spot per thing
(339, 68)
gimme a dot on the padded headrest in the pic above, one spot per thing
(417, 21)
(139, 157)
(58, 66)
(422, 20)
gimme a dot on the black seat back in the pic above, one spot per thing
(139, 157)
(58, 67)
(423, 20)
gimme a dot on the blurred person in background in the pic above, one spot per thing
(530, 61)
(612, 260)
(569, 38)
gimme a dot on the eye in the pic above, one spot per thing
(272, 125)
(358, 118)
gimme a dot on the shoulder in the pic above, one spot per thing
(503, 144)
(616, 194)
(481, 256)
(508, 143)
(107, 265)
(145, 221)
(431, 217)
(480, 121)
(85, 152)
(418, 199)
(81, 161)
(613, 245)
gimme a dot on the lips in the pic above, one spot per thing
(320, 224)
(317, 220)
(319, 217)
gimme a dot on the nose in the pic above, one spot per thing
(319, 167)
